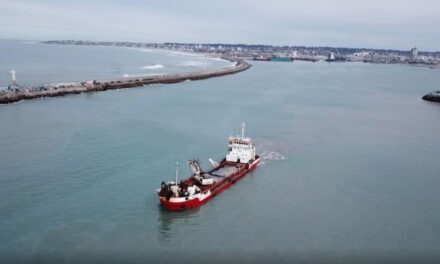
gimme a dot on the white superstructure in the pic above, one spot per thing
(241, 148)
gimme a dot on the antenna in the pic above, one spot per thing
(177, 170)
(243, 126)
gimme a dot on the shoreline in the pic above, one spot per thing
(61, 89)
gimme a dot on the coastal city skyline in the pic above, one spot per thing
(282, 53)
(354, 24)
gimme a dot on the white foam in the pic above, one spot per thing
(193, 63)
(217, 59)
(272, 155)
(153, 67)
(126, 75)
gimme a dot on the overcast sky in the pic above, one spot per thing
(393, 24)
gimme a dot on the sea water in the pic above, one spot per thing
(350, 170)
(37, 63)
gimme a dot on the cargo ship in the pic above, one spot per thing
(203, 186)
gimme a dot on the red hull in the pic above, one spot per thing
(215, 189)
(183, 205)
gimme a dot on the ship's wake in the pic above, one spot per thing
(271, 155)
(268, 151)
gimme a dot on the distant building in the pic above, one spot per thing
(294, 54)
(414, 54)
(331, 56)
(361, 54)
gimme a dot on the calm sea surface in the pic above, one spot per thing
(351, 165)
(38, 63)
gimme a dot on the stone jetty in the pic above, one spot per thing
(24, 93)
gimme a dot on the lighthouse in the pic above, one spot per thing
(13, 85)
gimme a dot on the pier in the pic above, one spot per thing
(26, 93)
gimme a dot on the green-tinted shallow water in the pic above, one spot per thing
(359, 181)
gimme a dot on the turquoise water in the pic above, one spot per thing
(350, 171)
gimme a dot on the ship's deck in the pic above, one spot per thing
(217, 174)
(224, 171)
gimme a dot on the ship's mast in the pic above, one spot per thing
(177, 170)
(243, 125)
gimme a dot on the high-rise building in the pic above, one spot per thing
(414, 55)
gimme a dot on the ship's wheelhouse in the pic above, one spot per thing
(240, 150)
